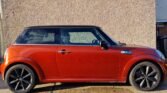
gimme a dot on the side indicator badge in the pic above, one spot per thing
(128, 52)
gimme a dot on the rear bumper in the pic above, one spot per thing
(1, 60)
(0, 68)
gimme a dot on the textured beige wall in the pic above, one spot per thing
(130, 21)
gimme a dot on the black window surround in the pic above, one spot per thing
(98, 33)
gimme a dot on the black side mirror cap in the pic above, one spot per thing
(103, 45)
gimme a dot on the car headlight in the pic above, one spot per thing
(161, 55)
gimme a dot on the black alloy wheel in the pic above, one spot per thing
(145, 76)
(20, 78)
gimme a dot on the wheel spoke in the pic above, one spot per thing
(17, 85)
(152, 73)
(147, 70)
(22, 71)
(25, 81)
(26, 75)
(22, 85)
(13, 81)
(152, 79)
(140, 78)
(12, 76)
(142, 83)
(148, 84)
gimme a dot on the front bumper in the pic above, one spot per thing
(164, 70)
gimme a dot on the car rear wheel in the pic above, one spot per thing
(145, 76)
(20, 78)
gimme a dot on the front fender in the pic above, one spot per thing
(137, 59)
(22, 60)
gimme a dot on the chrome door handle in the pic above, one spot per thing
(63, 51)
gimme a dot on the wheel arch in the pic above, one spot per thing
(140, 61)
(35, 70)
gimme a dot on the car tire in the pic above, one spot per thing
(20, 78)
(145, 76)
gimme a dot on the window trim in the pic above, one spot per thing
(53, 44)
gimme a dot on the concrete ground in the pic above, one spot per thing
(86, 88)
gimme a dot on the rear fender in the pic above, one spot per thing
(23, 60)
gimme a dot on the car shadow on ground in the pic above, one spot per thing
(162, 87)
(54, 87)
(73, 85)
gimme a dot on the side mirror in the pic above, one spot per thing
(103, 45)
(121, 43)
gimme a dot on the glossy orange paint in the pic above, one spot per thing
(79, 63)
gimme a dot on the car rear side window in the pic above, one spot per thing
(39, 36)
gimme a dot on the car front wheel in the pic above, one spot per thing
(145, 76)
(20, 78)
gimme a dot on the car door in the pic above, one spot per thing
(80, 56)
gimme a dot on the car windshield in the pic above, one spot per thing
(113, 40)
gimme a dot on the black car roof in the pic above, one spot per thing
(63, 26)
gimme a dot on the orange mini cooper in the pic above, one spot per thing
(45, 54)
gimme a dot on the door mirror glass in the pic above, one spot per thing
(103, 45)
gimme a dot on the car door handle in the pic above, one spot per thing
(63, 51)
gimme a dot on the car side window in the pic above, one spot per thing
(40, 36)
(79, 36)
